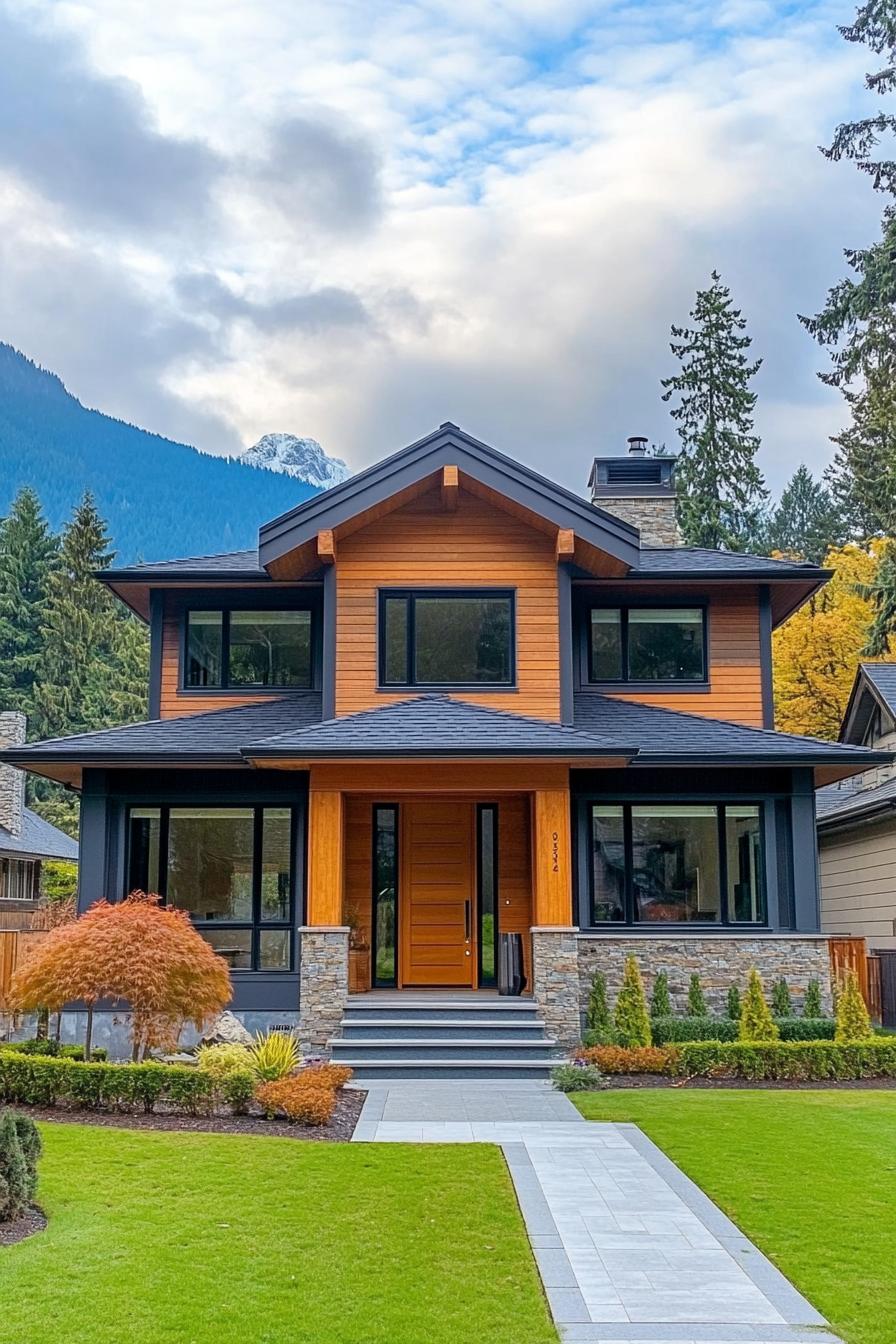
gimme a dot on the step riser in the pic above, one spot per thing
(470, 1072)
(383, 1013)
(496, 1031)
(351, 1052)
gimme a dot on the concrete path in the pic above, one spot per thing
(628, 1248)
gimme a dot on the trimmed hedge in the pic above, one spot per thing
(806, 1028)
(41, 1080)
(670, 1030)
(789, 1061)
(55, 1049)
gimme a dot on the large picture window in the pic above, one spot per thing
(230, 868)
(247, 650)
(647, 644)
(677, 863)
(446, 638)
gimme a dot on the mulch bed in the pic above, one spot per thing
(26, 1226)
(339, 1130)
(641, 1080)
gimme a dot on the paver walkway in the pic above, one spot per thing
(628, 1248)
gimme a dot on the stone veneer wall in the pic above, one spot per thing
(653, 516)
(323, 986)
(12, 781)
(719, 959)
(555, 982)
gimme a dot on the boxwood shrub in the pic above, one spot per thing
(58, 1049)
(41, 1080)
(668, 1030)
(790, 1061)
(806, 1028)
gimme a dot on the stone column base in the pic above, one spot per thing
(323, 985)
(555, 981)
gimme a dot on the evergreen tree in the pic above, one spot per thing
(696, 998)
(812, 1000)
(808, 521)
(631, 1018)
(732, 1003)
(782, 1005)
(27, 555)
(600, 1022)
(862, 476)
(660, 1002)
(755, 1019)
(853, 1022)
(721, 490)
(882, 592)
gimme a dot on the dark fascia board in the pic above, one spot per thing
(24, 760)
(794, 758)
(427, 753)
(859, 816)
(810, 582)
(863, 685)
(448, 446)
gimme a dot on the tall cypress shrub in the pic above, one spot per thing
(631, 1018)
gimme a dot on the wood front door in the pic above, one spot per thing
(438, 846)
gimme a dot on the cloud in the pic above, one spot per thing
(322, 173)
(317, 311)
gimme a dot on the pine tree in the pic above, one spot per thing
(807, 521)
(27, 555)
(660, 1002)
(721, 490)
(732, 1003)
(696, 998)
(853, 1022)
(755, 1019)
(862, 476)
(631, 1018)
(600, 1022)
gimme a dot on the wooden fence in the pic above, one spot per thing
(851, 954)
(14, 946)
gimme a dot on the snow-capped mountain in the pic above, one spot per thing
(302, 458)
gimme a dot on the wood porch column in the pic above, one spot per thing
(325, 860)
(551, 859)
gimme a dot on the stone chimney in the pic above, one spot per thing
(639, 489)
(12, 781)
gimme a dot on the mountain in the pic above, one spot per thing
(302, 458)
(160, 499)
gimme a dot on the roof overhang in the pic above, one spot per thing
(788, 591)
(862, 698)
(457, 756)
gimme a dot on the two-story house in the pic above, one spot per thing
(449, 699)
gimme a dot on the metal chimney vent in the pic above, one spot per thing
(634, 471)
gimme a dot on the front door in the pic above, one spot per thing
(438, 846)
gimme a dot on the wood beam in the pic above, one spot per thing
(450, 484)
(551, 858)
(566, 544)
(326, 547)
(325, 857)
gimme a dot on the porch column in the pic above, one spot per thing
(323, 959)
(555, 965)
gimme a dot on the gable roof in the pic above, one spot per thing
(38, 839)
(847, 804)
(874, 686)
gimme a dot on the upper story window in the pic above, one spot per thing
(647, 644)
(242, 650)
(446, 638)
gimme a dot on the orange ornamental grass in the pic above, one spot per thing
(136, 952)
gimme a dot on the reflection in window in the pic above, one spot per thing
(646, 644)
(488, 895)
(675, 867)
(606, 644)
(385, 896)
(243, 649)
(743, 848)
(276, 864)
(446, 639)
(234, 945)
(210, 862)
(608, 841)
(143, 849)
(205, 648)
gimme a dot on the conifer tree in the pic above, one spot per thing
(782, 1005)
(807, 521)
(696, 998)
(732, 1004)
(853, 1022)
(660, 1002)
(598, 1017)
(755, 1019)
(721, 489)
(812, 1000)
(27, 555)
(631, 1018)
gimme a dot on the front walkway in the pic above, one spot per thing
(628, 1248)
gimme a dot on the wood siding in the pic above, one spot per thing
(475, 545)
(858, 883)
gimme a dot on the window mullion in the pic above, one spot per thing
(257, 851)
(623, 632)
(410, 651)
(629, 859)
(723, 864)
(163, 853)
(225, 649)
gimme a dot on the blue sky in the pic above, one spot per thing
(357, 220)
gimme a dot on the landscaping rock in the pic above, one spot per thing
(228, 1030)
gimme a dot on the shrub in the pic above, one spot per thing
(15, 1181)
(696, 998)
(806, 1028)
(39, 1081)
(219, 1061)
(600, 1023)
(812, 1001)
(30, 1143)
(790, 1061)
(274, 1055)
(311, 1103)
(237, 1088)
(631, 1019)
(641, 1059)
(782, 1005)
(732, 1003)
(755, 1019)
(660, 1003)
(42, 1045)
(853, 1022)
(334, 1076)
(666, 1029)
(578, 1076)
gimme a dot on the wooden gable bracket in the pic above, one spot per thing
(326, 547)
(450, 485)
(566, 544)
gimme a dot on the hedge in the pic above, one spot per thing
(41, 1080)
(670, 1030)
(790, 1061)
(58, 1049)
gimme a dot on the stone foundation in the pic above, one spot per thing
(555, 982)
(323, 986)
(720, 960)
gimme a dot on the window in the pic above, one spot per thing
(230, 868)
(19, 880)
(385, 896)
(677, 863)
(647, 644)
(247, 650)
(446, 638)
(487, 904)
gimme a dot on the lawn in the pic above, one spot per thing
(219, 1239)
(809, 1176)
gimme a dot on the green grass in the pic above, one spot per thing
(809, 1176)
(161, 1238)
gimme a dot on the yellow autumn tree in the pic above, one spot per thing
(818, 650)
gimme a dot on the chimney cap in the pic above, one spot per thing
(637, 443)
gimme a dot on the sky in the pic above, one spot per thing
(356, 219)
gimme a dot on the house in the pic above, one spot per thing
(448, 699)
(26, 839)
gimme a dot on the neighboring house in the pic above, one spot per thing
(26, 840)
(447, 699)
(857, 821)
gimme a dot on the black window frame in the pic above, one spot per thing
(383, 982)
(273, 603)
(257, 925)
(658, 926)
(641, 683)
(410, 595)
(484, 980)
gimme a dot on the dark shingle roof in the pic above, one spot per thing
(439, 725)
(836, 804)
(667, 735)
(883, 678)
(243, 563)
(38, 839)
(699, 559)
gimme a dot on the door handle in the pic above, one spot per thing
(467, 920)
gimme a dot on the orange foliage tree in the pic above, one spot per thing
(135, 952)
